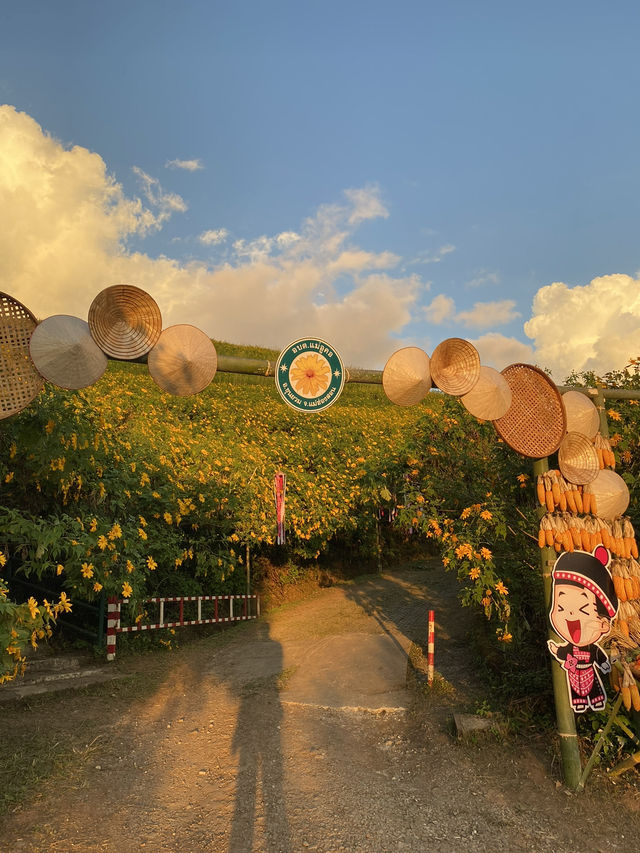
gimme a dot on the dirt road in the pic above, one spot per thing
(302, 732)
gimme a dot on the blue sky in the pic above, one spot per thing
(378, 174)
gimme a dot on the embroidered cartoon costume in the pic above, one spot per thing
(583, 604)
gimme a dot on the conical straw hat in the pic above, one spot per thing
(490, 397)
(406, 378)
(64, 352)
(20, 382)
(611, 494)
(125, 321)
(582, 415)
(536, 422)
(184, 361)
(455, 366)
(577, 459)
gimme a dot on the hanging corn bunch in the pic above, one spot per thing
(606, 456)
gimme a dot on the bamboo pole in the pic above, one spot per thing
(565, 719)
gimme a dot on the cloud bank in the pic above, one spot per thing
(67, 223)
(591, 327)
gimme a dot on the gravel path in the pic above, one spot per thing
(221, 754)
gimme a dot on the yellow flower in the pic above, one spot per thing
(142, 533)
(615, 416)
(465, 513)
(59, 569)
(64, 603)
(115, 532)
(87, 570)
(143, 522)
(486, 515)
(310, 374)
(485, 553)
(127, 589)
(32, 604)
(506, 637)
(167, 517)
(151, 563)
(102, 542)
(464, 551)
(97, 587)
(9, 477)
(445, 561)
(3, 560)
(501, 588)
(144, 479)
(130, 566)
(474, 573)
(94, 525)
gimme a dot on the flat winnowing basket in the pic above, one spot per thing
(536, 421)
(406, 378)
(455, 366)
(577, 459)
(582, 415)
(20, 382)
(125, 321)
(64, 352)
(184, 361)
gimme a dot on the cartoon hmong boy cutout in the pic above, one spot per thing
(582, 607)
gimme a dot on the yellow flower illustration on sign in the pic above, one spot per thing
(310, 374)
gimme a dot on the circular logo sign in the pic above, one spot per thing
(309, 375)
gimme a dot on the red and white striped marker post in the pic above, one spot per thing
(430, 648)
(113, 622)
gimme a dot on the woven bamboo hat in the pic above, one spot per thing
(536, 422)
(611, 494)
(577, 459)
(582, 415)
(490, 397)
(406, 378)
(455, 366)
(184, 361)
(125, 321)
(20, 382)
(64, 352)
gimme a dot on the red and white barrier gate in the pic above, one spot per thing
(217, 608)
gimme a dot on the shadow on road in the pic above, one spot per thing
(258, 745)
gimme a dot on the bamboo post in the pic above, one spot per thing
(248, 569)
(565, 719)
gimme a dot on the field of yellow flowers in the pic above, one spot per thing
(122, 490)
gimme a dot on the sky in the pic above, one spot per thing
(376, 174)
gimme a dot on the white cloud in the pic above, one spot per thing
(354, 261)
(434, 256)
(366, 204)
(484, 315)
(498, 351)
(589, 327)
(484, 277)
(213, 237)
(66, 224)
(188, 165)
(440, 309)
(166, 203)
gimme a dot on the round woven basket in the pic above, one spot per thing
(582, 415)
(64, 352)
(536, 422)
(611, 494)
(455, 366)
(184, 361)
(577, 459)
(406, 378)
(490, 397)
(20, 382)
(125, 321)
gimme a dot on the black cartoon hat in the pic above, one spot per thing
(589, 571)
